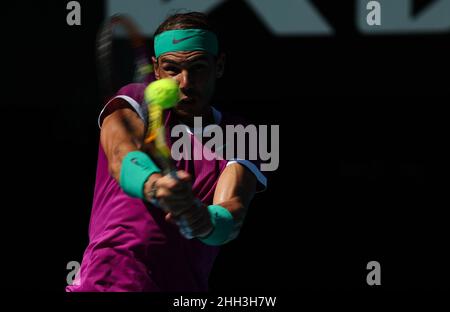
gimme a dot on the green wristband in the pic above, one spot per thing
(223, 223)
(136, 168)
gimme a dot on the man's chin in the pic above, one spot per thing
(187, 110)
(184, 112)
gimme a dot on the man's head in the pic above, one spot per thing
(187, 50)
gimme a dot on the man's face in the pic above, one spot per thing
(196, 73)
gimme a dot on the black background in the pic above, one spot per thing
(363, 159)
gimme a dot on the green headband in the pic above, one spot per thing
(186, 40)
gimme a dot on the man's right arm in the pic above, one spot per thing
(122, 132)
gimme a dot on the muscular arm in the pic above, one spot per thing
(234, 191)
(122, 132)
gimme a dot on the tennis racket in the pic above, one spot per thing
(107, 70)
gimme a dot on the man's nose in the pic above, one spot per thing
(184, 80)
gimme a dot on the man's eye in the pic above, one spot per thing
(199, 67)
(170, 69)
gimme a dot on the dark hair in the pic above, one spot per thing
(185, 21)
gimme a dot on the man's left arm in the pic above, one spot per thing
(222, 221)
(234, 191)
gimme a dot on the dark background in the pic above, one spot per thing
(363, 138)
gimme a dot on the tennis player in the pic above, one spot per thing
(134, 245)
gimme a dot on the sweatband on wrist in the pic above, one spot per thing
(136, 168)
(223, 224)
(186, 40)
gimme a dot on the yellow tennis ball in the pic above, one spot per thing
(163, 92)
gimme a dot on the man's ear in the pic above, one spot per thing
(155, 67)
(220, 65)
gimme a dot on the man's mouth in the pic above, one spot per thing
(186, 101)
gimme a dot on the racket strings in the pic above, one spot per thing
(142, 64)
(143, 68)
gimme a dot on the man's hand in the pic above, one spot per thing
(176, 198)
(173, 195)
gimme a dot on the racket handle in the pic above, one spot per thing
(173, 174)
(184, 229)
